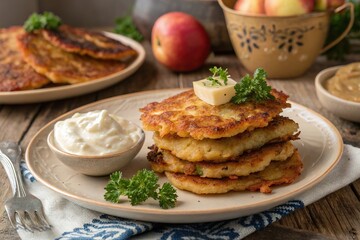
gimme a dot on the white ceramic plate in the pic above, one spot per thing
(320, 147)
(66, 91)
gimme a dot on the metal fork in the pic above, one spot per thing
(24, 210)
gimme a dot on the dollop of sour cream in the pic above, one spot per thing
(95, 133)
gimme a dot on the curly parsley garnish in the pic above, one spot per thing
(218, 74)
(47, 20)
(125, 26)
(254, 88)
(139, 188)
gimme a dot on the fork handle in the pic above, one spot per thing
(10, 157)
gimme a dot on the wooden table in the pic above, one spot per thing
(335, 216)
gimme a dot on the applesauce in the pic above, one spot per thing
(345, 84)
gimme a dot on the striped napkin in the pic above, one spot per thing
(71, 221)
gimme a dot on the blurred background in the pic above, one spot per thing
(82, 13)
(102, 14)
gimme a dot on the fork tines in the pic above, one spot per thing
(29, 217)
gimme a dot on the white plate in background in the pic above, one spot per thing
(66, 91)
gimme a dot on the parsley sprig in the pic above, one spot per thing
(125, 26)
(139, 188)
(252, 88)
(46, 20)
(218, 74)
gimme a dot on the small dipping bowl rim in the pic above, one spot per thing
(52, 145)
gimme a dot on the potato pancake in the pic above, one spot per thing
(243, 165)
(63, 67)
(15, 73)
(86, 42)
(188, 116)
(277, 173)
(224, 149)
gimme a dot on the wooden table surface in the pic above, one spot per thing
(336, 216)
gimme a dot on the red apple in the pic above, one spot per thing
(180, 42)
(288, 7)
(322, 5)
(250, 6)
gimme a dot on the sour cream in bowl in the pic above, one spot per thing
(95, 143)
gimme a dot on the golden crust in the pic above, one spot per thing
(15, 73)
(224, 149)
(86, 42)
(243, 165)
(187, 116)
(277, 173)
(63, 67)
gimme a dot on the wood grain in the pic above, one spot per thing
(277, 232)
(336, 216)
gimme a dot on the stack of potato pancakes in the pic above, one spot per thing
(67, 55)
(209, 149)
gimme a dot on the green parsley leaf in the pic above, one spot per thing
(125, 26)
(167, 196)
(116, 187)
(139, 188)
(218, 74)
(47, 20)
(254, 88)
(142, 186)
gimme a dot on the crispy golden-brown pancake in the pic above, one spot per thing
(187, 116)
(223, 149)
(63, 67)
(243, 165)
(277, 173)
(86, 42)
(15, 73)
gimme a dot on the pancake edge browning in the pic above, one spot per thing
(224, 149)
(15, 73)
(64, 67)
(91, 43)
(243, 165)
(187, 116)
(277, 173)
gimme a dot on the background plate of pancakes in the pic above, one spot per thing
(320, 147)
(65, 91)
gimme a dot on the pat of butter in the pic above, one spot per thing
(214, 95)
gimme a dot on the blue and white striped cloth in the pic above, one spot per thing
(71, 221)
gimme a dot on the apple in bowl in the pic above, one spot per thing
(288, 7)
(250, 6)
(322, 5)
(285, 7)
(180, 42)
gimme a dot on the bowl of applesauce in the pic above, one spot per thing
(338, 90)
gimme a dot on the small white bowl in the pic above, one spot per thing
(342, 108)
(96, 165)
